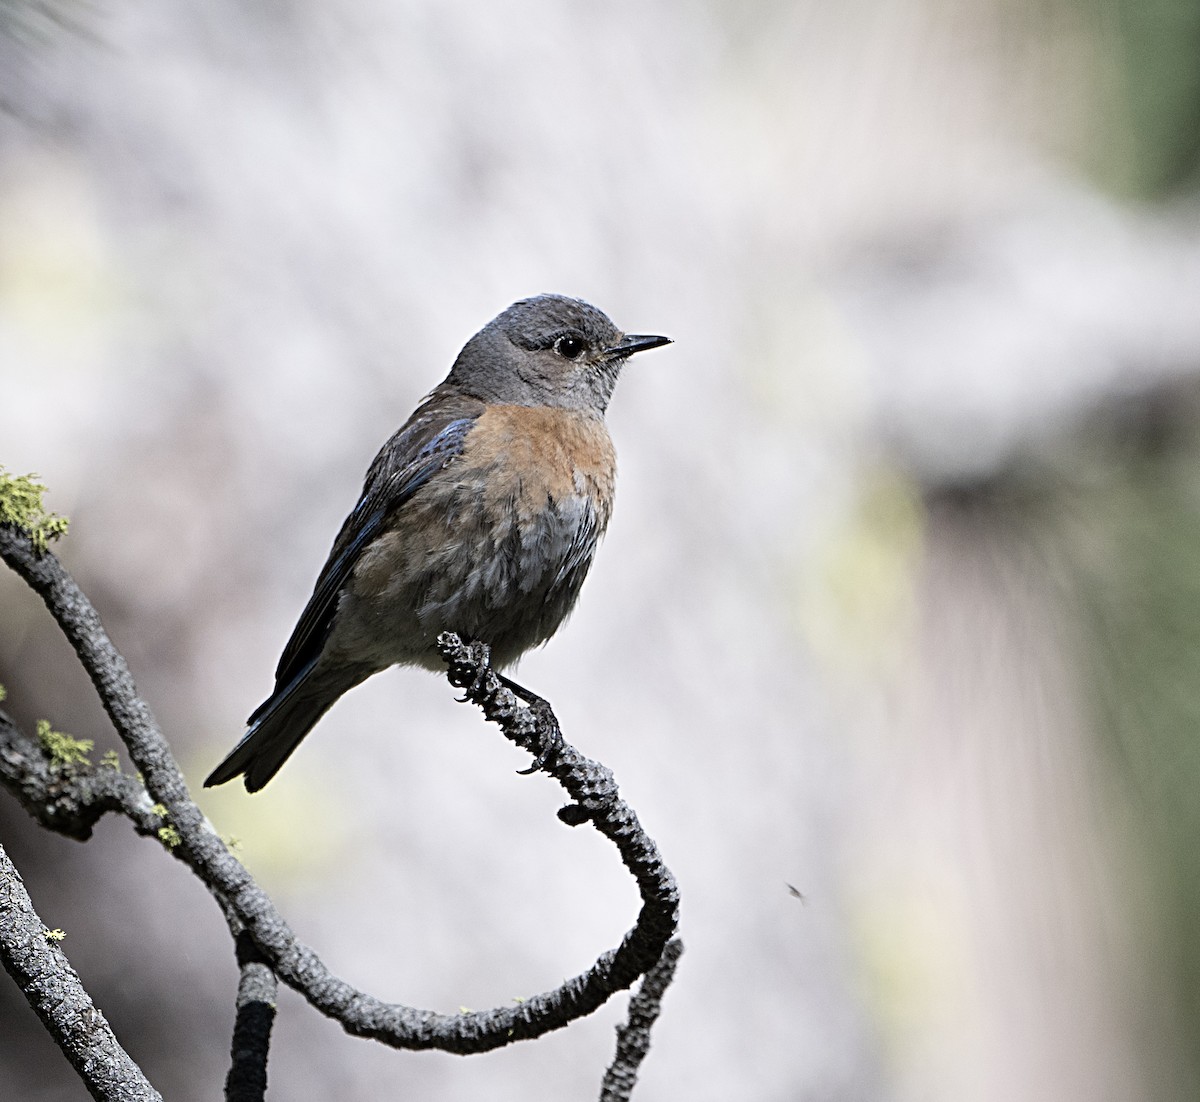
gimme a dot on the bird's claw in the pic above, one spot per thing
(481, 658)
(551, 741)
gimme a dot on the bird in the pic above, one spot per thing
(480, 516)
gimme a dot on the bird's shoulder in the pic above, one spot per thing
(435, 431)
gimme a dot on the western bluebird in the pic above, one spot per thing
(480, 516)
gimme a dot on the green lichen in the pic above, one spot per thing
(62, 748)
(160, 810)
(3, 693)
(111, 760)
(169, 836)
(21, 506)
(232, 843)
(54, 935)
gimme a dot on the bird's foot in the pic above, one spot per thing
(481, 658)
(550, 739)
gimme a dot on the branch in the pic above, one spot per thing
(594, 791)
(247, 906)
(54, 990)
(69, 799)
(247, 1079)
(633, 1040)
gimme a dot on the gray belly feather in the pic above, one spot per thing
(506, 577)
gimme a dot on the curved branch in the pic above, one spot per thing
(594, 791)
(590, 785)
(53, 988)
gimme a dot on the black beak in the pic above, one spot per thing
(635, 342)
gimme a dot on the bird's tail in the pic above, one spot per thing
(281, 721)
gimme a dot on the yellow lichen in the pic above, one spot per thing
(62, 748)
(21, 506)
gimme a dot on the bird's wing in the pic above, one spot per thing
(431, 438)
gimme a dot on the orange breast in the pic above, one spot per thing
(535, 453)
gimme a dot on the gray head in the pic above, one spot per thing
(547, 351)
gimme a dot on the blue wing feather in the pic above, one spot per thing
(433, 437)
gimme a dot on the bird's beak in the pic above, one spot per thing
(635, 342)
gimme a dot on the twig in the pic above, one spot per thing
(633, 1039)
(69, 800)
(53, 988)
(257, 990)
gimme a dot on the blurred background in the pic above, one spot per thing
(900, 606)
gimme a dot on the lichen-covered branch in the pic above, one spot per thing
(32, 956)
(69, 798)
(248, 907)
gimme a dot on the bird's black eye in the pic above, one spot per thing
(569, 347)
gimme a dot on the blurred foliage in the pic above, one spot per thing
(1136, 554)
(856, 604)
(1111, 516)
(1158, 93)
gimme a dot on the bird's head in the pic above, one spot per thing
(548, 351)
